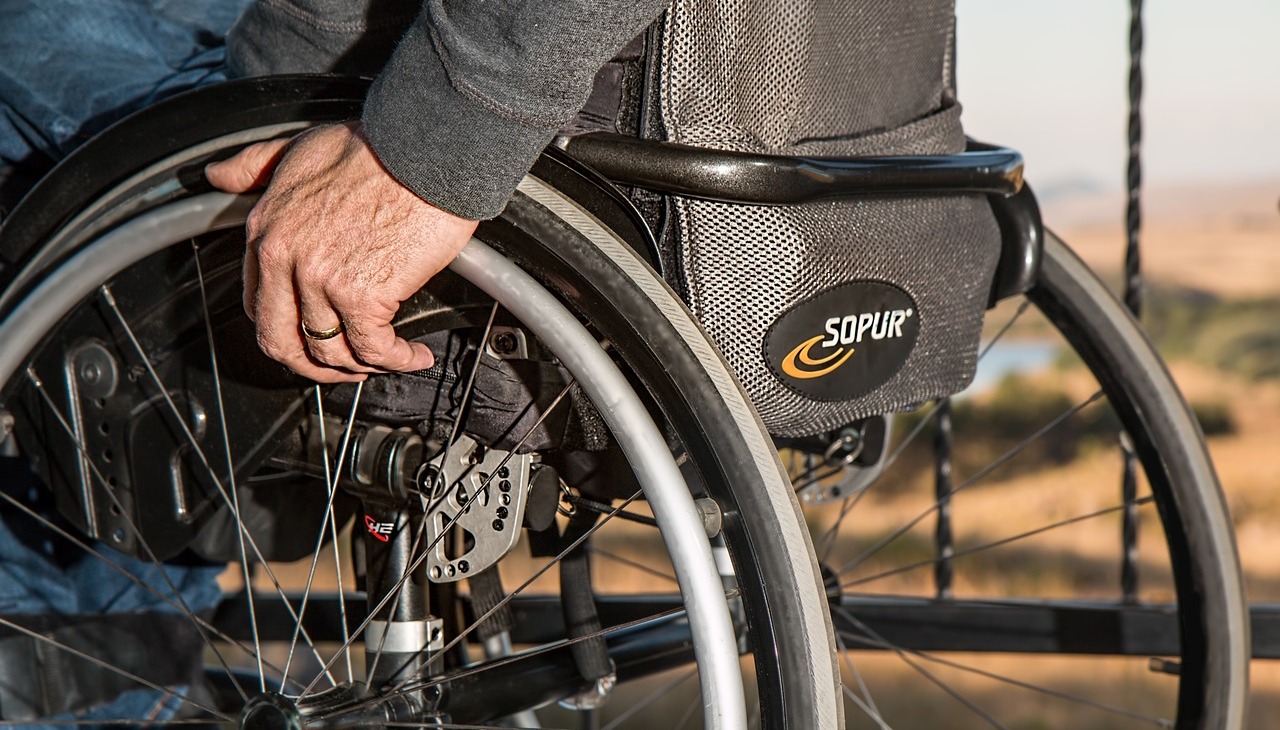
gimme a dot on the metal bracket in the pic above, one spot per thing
(490, 524)
(860, 467)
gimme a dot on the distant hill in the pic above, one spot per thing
(1221, 238)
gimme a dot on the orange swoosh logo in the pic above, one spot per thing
(802, 353)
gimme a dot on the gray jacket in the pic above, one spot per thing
(473, 91)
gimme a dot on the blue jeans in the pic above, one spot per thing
(43, 573)
(68, 69)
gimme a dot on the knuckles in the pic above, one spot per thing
(272, 349)
(365, 350)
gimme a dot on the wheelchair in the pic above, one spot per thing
(394, 542)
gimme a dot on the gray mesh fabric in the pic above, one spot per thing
(825, 78)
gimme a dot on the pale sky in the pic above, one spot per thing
(1049, 77)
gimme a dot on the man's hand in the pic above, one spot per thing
(335, 241)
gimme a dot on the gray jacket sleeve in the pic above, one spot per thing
(473, 91)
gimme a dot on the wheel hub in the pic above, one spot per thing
(271, 711)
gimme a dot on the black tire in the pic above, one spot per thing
(594, 269)
(1024, 620)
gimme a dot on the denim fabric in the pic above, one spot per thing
(69, 68)
(44, 573)
(41, 572)
(142, 703)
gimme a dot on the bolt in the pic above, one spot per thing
(712, 517)
(464, 566)
(504, 472)
(90, 372)
(427, 476)
(498, 525)
(503, 512)
(504, 486)
(504, 343)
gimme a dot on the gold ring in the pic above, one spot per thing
(321, 334)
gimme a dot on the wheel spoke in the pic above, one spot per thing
(828, 538)
(688, 713)
(462, 635)
(202, 625)
(872, 638)
(435, 483)
(1001, 542)
(445, 530)
(970, 482)
(643, 704)
(108, 666)
(955, 694)
(231, 466)
(592, 549)
(129, 722)
(181, 603)
(1004, 329)
(331, 485)
(231, 501)
(865, 702)
(850, 502)
(523, 656)
(333, 534)
(456, 726)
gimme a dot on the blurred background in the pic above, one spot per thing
(1050, 79)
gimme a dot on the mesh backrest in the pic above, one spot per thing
(825, 78)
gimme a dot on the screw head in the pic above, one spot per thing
(498, 525)
(90, 372)
(504, 343)
(427, 476)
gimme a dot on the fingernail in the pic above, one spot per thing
(423, 358)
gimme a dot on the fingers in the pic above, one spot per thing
(319, 316)
(249, 270)
(249, 169)
(275, 311)
(335, 239)
(373, 341)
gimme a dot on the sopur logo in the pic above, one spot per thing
(843, 342)
(841, 334)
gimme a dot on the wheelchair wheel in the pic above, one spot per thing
(999, 565)
(185, 442)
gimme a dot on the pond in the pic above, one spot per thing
(1013, 356)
